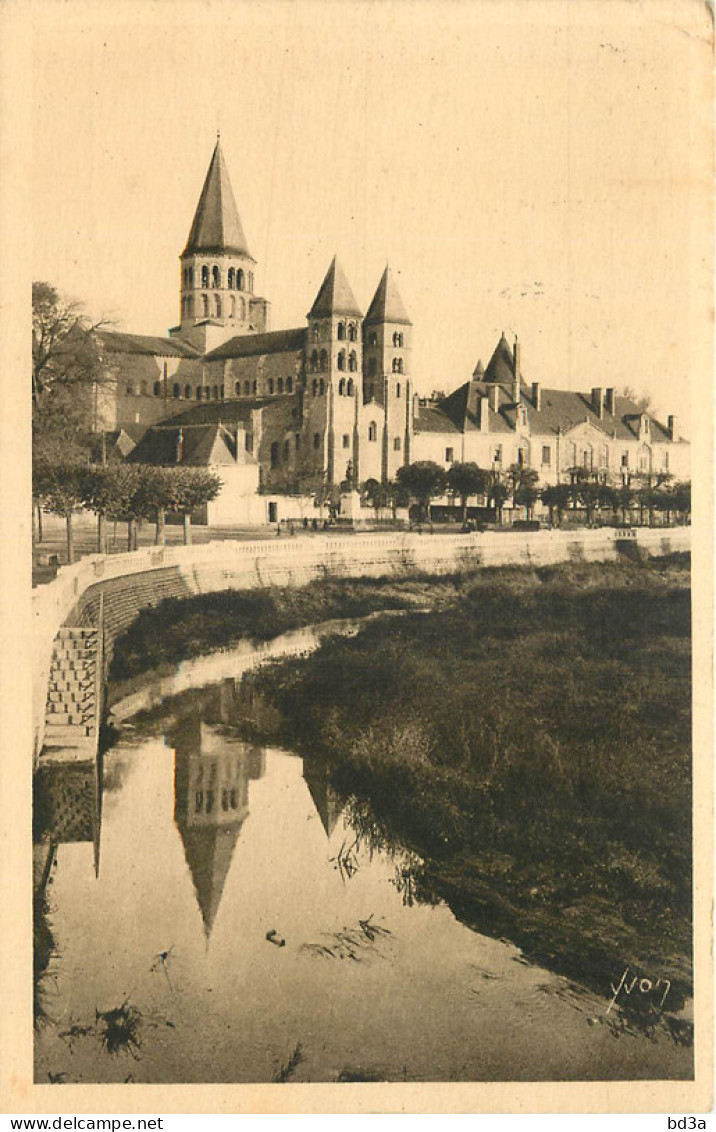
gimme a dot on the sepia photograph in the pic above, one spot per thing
(370, 632)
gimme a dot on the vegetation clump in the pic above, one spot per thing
(530, 741)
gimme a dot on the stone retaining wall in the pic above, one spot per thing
(131, 582)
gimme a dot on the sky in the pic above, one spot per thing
(537, 168)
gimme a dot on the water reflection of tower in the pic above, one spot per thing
(212, 771)
(326, 800)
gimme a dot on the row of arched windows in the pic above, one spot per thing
(345, 388)
(317, 362)
(282, 452)
(236, 278)
(352, 360)
(233, 309)
(318, 388)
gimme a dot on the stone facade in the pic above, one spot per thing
(333, 402)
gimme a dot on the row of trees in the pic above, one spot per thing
(425, 481)
(119, 492)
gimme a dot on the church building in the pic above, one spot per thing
(332, 402)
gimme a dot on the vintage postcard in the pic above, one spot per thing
(357, 733)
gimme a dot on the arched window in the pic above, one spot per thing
(289, 385)
(199, 801)
(205, 305)
(341, 331)
(341, 386)
(321, 387)
(221, 392)
(247, 388)
(397, 389)
(232, 799)
(225, 800)
(274, 454)
(157, 388)
(129, 389)
(205, 276)
(324, 360)
(215, 277)
(372, 366)
(143, 388)
(279, 385)
(396, 444)
(316, 440)
(397, 365)
(314, 387)
(270, 385)
(342, 359)
(230, 278)
(372, 431)
(217, 304)
(349, 387)
(352, 332)
(315, 332)
(254, 386)
(314, 361)
(198, 393)
(239, 280)
(176, 391)
(216, 392)
(398, 340)
(237, 388)
(286, 451)
(352, 361)
(187, 391)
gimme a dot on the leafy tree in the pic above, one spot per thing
(376, 494)
(67, 371)
(193, 487)
(423, 480)
(59, 487)
(466, 479)
(155, 494)
(557, 498)
(626, 496)
(498, 494)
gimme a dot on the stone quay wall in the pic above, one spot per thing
(131, 582)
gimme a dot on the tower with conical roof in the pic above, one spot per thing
(217, 299)
(387, 345)
(333, 379)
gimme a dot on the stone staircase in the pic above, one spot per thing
(74, 689)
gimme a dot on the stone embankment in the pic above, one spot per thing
(131, 582)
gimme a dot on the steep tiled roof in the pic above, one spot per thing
(216, 226)
(334, 295)
(500, 368)
(117, 343)
(432, 419)
(251, 345)
(460, 408)
(387, 305)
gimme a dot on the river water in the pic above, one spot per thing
(216, 917)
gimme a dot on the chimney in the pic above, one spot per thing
(493, 396)
(483, 420)
(610, 401)
(672, 425)
(598, 401)
(536, 395)
(516, 372)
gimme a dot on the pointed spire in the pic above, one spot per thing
(334, 295)
(500, 366)
(217, 227)
(387, 305)
(479, 371)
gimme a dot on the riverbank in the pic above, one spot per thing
(529, 738)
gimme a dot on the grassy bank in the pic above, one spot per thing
(181, 628)
(529, 738)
